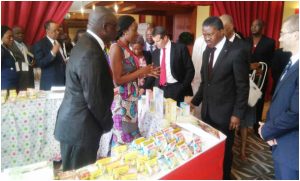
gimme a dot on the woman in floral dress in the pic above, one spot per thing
(126, 71)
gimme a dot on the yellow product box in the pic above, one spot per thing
(149, 148)
(184, 150)
(137, 142)
(152, 166)
(160, 141)
(178, 136)
(109, 167)
(130, 158)
(93, 170)
(140, 163)
(118, 151)
(170, 110)
(129, 176)
(121, 170)
(171, 159)
(168, 133)
(103, 161)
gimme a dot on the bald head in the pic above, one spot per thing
(103, 23)
(18, 34)
(228, 25)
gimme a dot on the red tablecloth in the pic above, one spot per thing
(206, 166)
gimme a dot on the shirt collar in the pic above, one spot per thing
(232, 38)
(99, 40)
(168, 45)
(221, 43)
(51, 40)
(295, 58)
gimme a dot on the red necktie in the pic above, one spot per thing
(163, 75)
(211, 60)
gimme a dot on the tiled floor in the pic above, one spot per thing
(259, 165)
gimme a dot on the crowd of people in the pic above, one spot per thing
(107, 67)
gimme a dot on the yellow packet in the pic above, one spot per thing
(129, 176)
(112, 165)
(123, 169)
(152, 166)
(103, 161)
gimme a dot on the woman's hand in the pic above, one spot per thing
(149, 70)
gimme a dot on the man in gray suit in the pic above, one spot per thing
(24, 58)
(85, 114)
(224, 87)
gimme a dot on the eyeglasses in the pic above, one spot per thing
(209, 35)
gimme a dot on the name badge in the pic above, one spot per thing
(25, 66)
(17, 67)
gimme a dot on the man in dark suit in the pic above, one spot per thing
(85, 113)
(279, 61)
(176, 67)
(24, 58)
(281, 130)
(224, 87)
(262, 49)
(49, 57)
(149, 44)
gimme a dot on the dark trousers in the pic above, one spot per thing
(74, 157)
(173, 91)
(228, 146)
(283, 172)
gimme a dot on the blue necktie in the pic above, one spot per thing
(286, 69)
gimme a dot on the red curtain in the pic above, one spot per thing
(243, 13)
(31, 16)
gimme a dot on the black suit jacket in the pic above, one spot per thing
(279, 61)
(85, 113)
(264, 50)
(226, 93)
(26, 78)
(53, 67)
(182, 69)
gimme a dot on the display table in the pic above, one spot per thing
(27, 132)
(27, 138)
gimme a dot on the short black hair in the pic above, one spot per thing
(213, 21)
(124, 22)
(4, 29)
(47, 24)
(159, 30)
(186, 38)
(139, 40)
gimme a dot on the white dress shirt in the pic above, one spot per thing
(23, 48)
(99, 40)
(170, 78)
(218, 47)
(60, 49)
(147, 47)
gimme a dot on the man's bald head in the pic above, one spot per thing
(228, 25)
(18, 34)
(103, 22)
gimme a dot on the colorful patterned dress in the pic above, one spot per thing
(124, 106)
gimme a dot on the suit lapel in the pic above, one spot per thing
(221, 57)
(205, 59)
(171, 56)
(286, 77)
